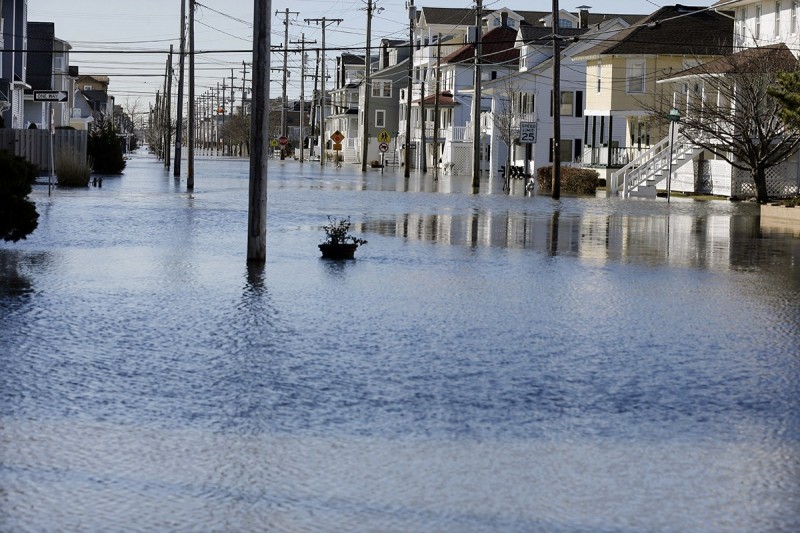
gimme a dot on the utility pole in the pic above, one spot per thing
(302, 42)
(367, 89)
(216, 120)
(324, 21)
(284, 101)
(422, 91)
(179, 123)
(436, 124)
(233, 100)
(190, 155)
(259, 135)
(556, 175)
(412, 17)
(244, 84)
(314, 109)
(168, 137)
(476, 103)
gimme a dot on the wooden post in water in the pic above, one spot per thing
(259, 134)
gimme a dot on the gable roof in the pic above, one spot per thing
(755, 60)
(465, 16)
(672, 30)
(497, 46)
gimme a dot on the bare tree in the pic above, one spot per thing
(506, 120)
(728, 110)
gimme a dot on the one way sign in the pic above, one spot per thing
(50, 96)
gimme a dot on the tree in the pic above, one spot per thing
(730, 111)
(105, 148)
(506, 121)
(18, 216)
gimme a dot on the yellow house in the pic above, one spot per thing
(621, 74)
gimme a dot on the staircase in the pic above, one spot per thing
(638, 179)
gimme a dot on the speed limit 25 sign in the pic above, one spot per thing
(527, 132)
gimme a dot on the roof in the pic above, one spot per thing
(540, 33)
(497, 46)
(445, 99)
(771, 58)
(352, 59)
(465, 16)
(672, 30)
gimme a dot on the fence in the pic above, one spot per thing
(34, 145)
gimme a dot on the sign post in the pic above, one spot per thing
(337, 137)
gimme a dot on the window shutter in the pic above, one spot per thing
(551, 107)
(550, 152)
(578, 103)
(578, 150)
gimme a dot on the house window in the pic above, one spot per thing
(380, 118)
(523, 60)
(742, 23)
(777, 18)
(58, 64)
(636, 73)
(598, 74)
(757, 32)
(571, 103)
(793, 18)
(382, 89)
(567, 104)
(564, 150)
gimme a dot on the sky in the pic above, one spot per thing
(129, 41)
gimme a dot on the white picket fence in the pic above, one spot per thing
(34, 145)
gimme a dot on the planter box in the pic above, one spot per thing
(338, 251)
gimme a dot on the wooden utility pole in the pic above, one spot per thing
(284, 100)
(179, 123)
(302, 42)
(436, 124)
(190, 155)
(412, 17)
(168, 135)
(259, 135)
(556, 174)
(367, 91)
(476, 103)
(422, 112)
(323, 22)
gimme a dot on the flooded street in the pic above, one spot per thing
(487, 363)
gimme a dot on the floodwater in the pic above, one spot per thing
(487, 363)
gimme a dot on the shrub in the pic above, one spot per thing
(18, 216)
(71, 171)
(105, 148)
(573, 179)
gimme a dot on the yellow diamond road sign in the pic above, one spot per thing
(337, 136)
(384, 136)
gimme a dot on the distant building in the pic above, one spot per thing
(13, 61)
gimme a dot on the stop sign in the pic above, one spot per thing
(283, 140)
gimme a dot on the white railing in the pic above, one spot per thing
(457, 133)
(651, 165)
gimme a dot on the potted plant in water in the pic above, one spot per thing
(338, 243)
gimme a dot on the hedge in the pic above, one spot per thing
(573, 179)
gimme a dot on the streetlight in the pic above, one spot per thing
(674, 117)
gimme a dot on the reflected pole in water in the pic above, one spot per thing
(259, 133)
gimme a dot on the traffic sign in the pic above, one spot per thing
(337, 147)
(383, 147)
(283, 140)
(384, 137)
(273, 143)
(337, 136)
(527, 132)
(50, 96)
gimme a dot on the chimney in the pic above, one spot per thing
(583, 16)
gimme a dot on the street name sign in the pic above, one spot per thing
(527, 132)
(50, 96)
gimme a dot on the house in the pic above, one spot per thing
(454, 61)
(343, 114)
(13, 62)
(388, 78)
(526, 96)
(48, 70)
(621, 75)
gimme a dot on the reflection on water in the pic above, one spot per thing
(488, 363)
